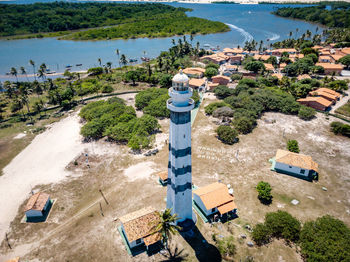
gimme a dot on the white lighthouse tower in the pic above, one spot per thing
(179, 188)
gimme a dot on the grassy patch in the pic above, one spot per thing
(344, 110)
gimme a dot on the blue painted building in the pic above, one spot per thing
(179, 184)
(38, 207)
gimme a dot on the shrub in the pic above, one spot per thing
(261, 234)
(306, 113)
(236, 77)
(264, 192)
(227, 134)
(292, 146)
(223, 111)
(226, 246)
(284, 225)
(209, 109)
(210, 72)
(143, 98)
(326, 239)
(95, 71)
(339, 128)
(223, 91)
(107, 89)
(212, 65)
(243, 124)
(338, 85)
(255, 66)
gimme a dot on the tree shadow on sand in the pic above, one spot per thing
(204, 251)
(176, 256)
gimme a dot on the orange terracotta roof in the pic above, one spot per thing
(140, 224)
(262, 57)
(296, 56)
(317, 47)
(214, 195)
(323, 94)
(223, 209)
(330, 91)
(324, 57)
(269, 67)
(279, 76)
(337, 57)
(163, 175)
(213, 84)
(222, 77)
(294, 159)
(37, 202)
(346, 50)
(304, 76)
(194, 70)
(282, 50)
(283, 65)
(196, 82)
(231, 66)
(316, 99)
(330, 66)
(233, 50)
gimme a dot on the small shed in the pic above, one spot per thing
(138, 228)
(214, 199)
(163, 178)
(38, 207)
(294, 164)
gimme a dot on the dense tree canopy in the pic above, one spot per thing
(127, 20)
(114, 119)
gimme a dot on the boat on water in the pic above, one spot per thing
(145, 59)
(206, 45)
(51, 72)
(68, 66)
(78, 64)
(132, 60)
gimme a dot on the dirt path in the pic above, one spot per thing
(343, 101)
(42, 162)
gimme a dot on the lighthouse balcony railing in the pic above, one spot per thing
(176, 108)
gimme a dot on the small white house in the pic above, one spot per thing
(37, 207)
(213, 199)
(295, 164)
(137, 227)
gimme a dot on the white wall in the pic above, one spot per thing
(291, 169)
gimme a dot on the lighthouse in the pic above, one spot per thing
(179, 187)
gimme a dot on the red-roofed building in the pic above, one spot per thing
(318, 103)
(222, 80)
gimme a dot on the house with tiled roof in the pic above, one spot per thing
(137, 228)
(304, 76)
(221, 79)
(194, 72)
(331, 68)
(316, 102)
(163, 177)
(326, 93)
(294, 164)
(37, 207)
(198, 84)
(214, 199)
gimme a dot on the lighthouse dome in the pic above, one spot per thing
(180, 77)
(180, 81)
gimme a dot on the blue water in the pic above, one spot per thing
(246, 21)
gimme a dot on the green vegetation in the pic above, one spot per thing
(222, 91)
(210, 72)
(339, 128)
(114, 119)
(323, 240)
(337, 16)
(326, 239)
(163, 26)
(292, 146)
(209, 109)
(278, 224)
(153, 101)
(306, 113)
(255, 66)
(227, 134)
(226, 246)
(119, 21)
(344, 110)
(264, 192)
(345, 61)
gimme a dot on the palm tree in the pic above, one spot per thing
(167, 226)
(117, 52)
(24, 72)
(99, 61)
(33, 65)
(109, 66)
(123, 60)
(173, 41)
(13, 72)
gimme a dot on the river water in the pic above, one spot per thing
(247, 22)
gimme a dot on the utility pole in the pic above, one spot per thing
(103, 196)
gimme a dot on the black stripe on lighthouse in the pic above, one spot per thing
(180, 118)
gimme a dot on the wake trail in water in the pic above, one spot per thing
(272, 36)
(247, 37)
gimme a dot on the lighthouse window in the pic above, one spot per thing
(184, 136)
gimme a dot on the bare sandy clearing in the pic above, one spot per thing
(139, 171)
